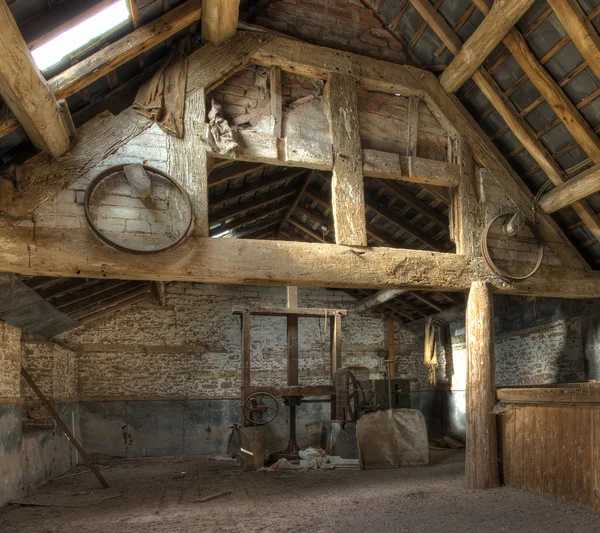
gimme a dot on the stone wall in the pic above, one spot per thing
(29, 457)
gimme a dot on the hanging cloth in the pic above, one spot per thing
(430, 355)
(162, 98)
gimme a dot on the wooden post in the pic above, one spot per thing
(292, 337)
(189, 165)
(335, 327)
(245, 377)
(391, 347)
(347, 184)
(482, 445)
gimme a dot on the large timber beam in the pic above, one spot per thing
(219, 20)
(116, 54)
(580, 30)
(67, 252)
(575, 189)
(502, 17)
(25, 91)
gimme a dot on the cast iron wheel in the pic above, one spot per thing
(256, 411)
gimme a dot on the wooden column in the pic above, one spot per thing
(347, 184)
(292, 337)
(336, 344)
(245, 377)
(466, 213)
(189, 164)
(482, 446)
(391, 346)
(219, 20)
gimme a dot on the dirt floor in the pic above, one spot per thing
(169, 495)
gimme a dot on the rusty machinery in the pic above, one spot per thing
(259, 404)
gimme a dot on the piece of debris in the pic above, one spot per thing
(220, 135)
(212, 496)
(281, 464)
(453, 443)
(225, 458)
(68, 499)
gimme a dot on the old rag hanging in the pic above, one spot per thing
(430, 356)
(162, 98)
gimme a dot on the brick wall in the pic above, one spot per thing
(191, 348)
(343, 24)
(10, 362)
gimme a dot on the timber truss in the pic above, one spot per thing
(351, 216)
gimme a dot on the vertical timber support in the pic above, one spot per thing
(347, 184)
(245, 377)
(292, 363)
(482, 445)
(189, 164)
(335, 327)
(467, 220)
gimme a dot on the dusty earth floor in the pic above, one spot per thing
(164, 495)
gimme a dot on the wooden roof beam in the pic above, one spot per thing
(520, 128)
(219, 20)
(249, 219)
(575, 189)
(232, 172)
(501, 18)
(550, 90)
(116, 54)
(26, 93)
(580, 29)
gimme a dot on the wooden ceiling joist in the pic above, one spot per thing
(242, 208)
(249, 219)
(219, 20)
(376, 299)
(505, 108)
(232, 172)
(26, 93)
(116, 54)
(552, 93)
(502, 17)
(580, 30)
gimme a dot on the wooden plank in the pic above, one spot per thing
(501, 18)
(134, 12)
(26, 93)
(377, 299)
(580, 30)
(549, 395)
(289, 311)
(391, 346)
(347, 184)
(577, 188)
(64, 428)
(219, 20)
(481, 443)
(554, 95)
(188, 162)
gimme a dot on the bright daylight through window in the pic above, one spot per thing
(74, 38)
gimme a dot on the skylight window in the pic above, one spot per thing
(78, 36)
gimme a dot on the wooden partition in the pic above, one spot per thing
(550, 442)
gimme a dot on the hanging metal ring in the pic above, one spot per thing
(490, 262)
(109, 172)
